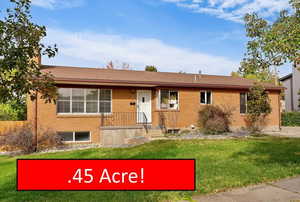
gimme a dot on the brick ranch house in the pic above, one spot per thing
(110, 106)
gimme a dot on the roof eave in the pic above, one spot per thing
(155, 84)
(286, 77)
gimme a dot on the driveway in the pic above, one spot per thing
(287, 132)
(282, 191)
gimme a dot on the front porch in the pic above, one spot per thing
(129, 128)
(164, 120)
(126, 120)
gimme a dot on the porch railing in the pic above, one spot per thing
(124, 119)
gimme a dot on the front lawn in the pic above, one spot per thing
(221, 164)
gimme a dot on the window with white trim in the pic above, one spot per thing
(206, 97)
(82, 136)
(84, 101)
(92, 100)
(168, 99)
(78, 100)
(64, 100)
(105, 101)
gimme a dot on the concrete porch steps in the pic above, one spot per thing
(121, 136)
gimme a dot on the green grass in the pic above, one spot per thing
(221, 164)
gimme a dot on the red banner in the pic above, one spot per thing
(100, 174)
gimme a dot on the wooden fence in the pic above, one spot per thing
(8, 125)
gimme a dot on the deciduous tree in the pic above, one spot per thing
(271, 44)
(20, 43)
(150, 68)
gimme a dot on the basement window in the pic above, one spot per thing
(66, 136)
(75, 136)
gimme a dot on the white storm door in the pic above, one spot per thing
(144, 106)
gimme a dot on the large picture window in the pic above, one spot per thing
(105, 101)
(64, 100)
(168, 99)
(77, 100)
(92, 100)
(84, 101)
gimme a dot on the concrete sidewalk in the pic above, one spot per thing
(287, 132)
(287, 190)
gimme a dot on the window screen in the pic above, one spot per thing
(205, 97)
(77, 100)
(75, 136)
(64, 100)
(168, 99)
(82, 136)
(208, 97)
(66, 136)
(92, 100)
(243, 103)
(105, 101)
(202, 98)
(164, 99)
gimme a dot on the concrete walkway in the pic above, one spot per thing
(287, 190)
(287, 132)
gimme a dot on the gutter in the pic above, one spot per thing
(286, 77)
(159, 84)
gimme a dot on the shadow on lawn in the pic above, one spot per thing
(153, 150)
(159, 149)
(281, 151)
(8, 193)
(129, 196)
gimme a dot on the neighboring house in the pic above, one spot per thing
(103, 105)
(291, 82)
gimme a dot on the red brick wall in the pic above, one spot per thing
(189, 105)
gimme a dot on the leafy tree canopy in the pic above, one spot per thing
(20, 42)
(13, 110)
(271, 44)
(150, 68)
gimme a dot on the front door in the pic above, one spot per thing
(144, 106)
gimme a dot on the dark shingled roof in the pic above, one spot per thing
(63, 74)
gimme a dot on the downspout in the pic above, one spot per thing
(279, 110)
(292, 92)
(36, 121)
(39, 63)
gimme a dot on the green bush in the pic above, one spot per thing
(258, 108)
(290, 119)
(14, 110)
(7, 113)
(214, 119)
